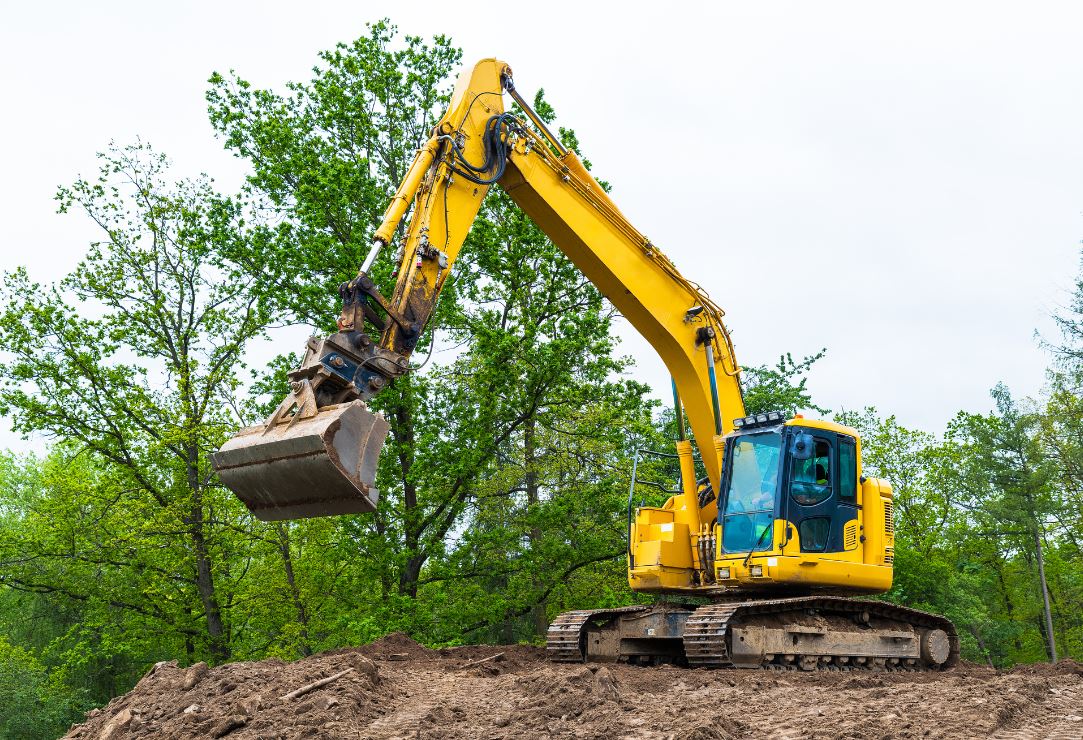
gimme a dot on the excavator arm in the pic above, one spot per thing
(323, 430)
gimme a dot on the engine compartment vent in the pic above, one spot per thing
(849, 536)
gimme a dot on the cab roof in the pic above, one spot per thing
(827, 426)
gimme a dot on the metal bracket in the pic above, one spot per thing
(303, 396)
(342, 367)
(356, 307)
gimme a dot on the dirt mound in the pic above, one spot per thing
(1065, 667)
(244, 700)
(394, 646)
(396, 688)
(511, 655)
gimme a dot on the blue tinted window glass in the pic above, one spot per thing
(742, 532)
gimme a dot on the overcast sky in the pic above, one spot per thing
(901, 183)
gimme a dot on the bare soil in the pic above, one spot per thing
(396, 688)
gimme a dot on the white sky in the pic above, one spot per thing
(899, 182)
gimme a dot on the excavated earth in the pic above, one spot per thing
(395, 688)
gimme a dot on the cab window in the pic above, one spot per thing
(748, 509)
(810, 480)
(753, 473)
(847, 470)
(814, 534)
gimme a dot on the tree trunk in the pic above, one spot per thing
(541, 609)
(291, 583)
(1052, 641)
(410, 574)
(189, 644)
(403, 429)
(216, 632)
(981, 645)
(205, 585)
(1008, 606)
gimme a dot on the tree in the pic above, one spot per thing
(1062, 418)
(1003, 475)
(782, 387)
(324, 158)
(133, 360)
(934, 565)
(34, 705)
(905, 458)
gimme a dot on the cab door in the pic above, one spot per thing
(846, 478)
(821, 490)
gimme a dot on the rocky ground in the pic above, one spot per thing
(395, 688)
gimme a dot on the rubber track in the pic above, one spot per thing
(563, 640)
(705, 632)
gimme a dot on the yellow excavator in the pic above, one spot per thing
(771, 545)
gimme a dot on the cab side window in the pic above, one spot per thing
(814, 533)
(847, 470)
(811, 479)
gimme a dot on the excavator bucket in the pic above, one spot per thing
(314, 463)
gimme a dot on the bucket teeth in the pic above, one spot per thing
(320, 465)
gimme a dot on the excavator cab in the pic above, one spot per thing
(749, 500)
(804, 476)
(793, 514)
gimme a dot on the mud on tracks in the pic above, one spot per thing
(395, 688)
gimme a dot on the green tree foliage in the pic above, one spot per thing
(35, 704)
(974, 510)
(133, 359)
(931, 570)
(780, 387)
(325, 156)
